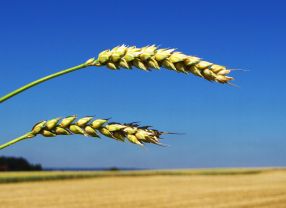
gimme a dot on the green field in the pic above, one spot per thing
(12, 177)
(206, 188)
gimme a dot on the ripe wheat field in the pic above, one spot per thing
(158, 189)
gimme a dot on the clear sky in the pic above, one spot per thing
(225, 126)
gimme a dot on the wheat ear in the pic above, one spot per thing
(144, 58)
(152, 57)
(90, 127)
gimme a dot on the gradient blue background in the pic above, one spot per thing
(225, 126)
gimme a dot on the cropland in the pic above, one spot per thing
(206, 188)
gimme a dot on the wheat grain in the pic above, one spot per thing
(144, 58)
(90, 127)
(151, 57)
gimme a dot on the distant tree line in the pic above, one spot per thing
(17, 164)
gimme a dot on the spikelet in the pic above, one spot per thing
(151, 57)
(88, 126)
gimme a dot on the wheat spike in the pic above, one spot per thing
(145, 58)
(90, 127)
(152, 57)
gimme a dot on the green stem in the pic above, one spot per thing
(31, 84)
(25, 136)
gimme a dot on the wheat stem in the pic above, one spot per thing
(18, 139)
(36, 82)
(145, 58)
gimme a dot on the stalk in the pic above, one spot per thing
(36, 82)
(18, 139)
(145, 58)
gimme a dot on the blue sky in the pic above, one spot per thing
(225, 126)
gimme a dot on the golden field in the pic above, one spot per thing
(231, 188)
